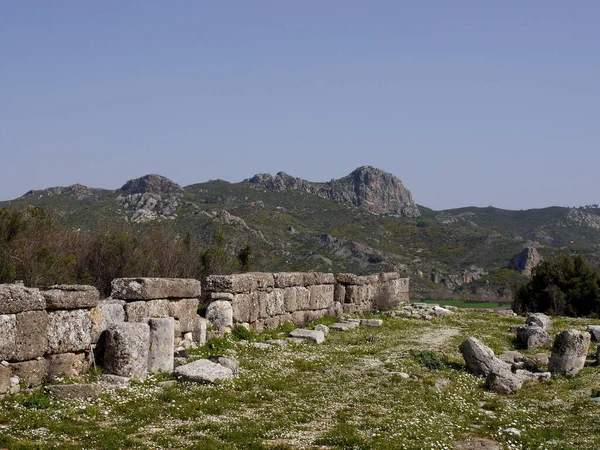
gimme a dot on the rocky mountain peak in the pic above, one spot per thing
(150, 184)
(525, 261)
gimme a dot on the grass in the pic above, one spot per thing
(345, 393)
(461, 304)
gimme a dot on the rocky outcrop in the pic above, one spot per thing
(367, 188)
(579, 218)
(149, 198)
(524, 261)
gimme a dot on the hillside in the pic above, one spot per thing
(365, 222)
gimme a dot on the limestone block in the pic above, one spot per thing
(8, 336)
(5, 375)
(199, 332)
(162, 344)
(321, 296)
(533, 337)
(275, 303)
(388, 276)
(69, 331)
(243, 308)
(339, 293)
(32, 337)
(502, 381)
(185, 310)
(155, 288)
(480, 359)
(65, 296)
(350, 279)
(312, 335)
(75, 391)
(262, 297)
(569, 352)
(594, 331)
(314, 315)
(257, 326)
(539, 319)
(66, 365)
(371, 322)
(220, 313)
(15, 298)
(303, 298)
(127, 346)
(355, 294)
(221, 296)
(299, 318)
(323, 328)
(32, 373)
(314, 278)
(290, 304)
(136, 311)
(288, 279)
(335, 310)
(227, 361)
(105, 314)
(270, 323)
(203, 370)
(240, 283)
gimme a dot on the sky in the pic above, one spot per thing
(467, 102)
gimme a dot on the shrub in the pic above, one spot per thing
(429, 359)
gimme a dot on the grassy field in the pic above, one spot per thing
(461, 304)
(350, 392)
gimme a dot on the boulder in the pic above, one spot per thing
(569, 352)
(511, 357)
(5, 375)
(480, 359)
(594, 331)
(32, 335)
(105, 314)
(539, 319)
(203, 370)
(66, 365)
(64, 296)
(220, 313)
(69, 331)
(502, 381)
(127, 346)
(8, 336)
(533, 337)
(185, 311)
(312, 335)
(323, 328)
(155, 288)
(74, 391)
(227, 361)
(162, 345)
(525, 261)
(16, 298)
(31, 373)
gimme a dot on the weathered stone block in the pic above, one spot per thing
(220, 313)
(66, 365)
(288, 279)
(350, 279)
(199, 332)
(32, 337)
(65, 296)
(5, 375)
(240, 283)
(335, 310)
(186, 311)
(270, 323)
(203, 370)
(262, 303)
(105, 314)
(314, 278)
(155, 288)
(162, 345)
(227, 361)
(75, 391)
(480, 359)
(355, 294)
(321, 296)
(15, 298)
(312, 335)
(69, 331)
(371, 322)
(8, 336)
(533, 337)
(290, 304)
(243, 308)
(539, 319)
(302, 298)
(388, 276)
(569, 352)
(275, 303)
(221, 296)
(339, 293)
(127, 347)
(32, 373)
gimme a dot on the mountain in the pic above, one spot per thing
(365, 222)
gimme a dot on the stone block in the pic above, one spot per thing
(388, 276)
(371, 323)
(303, 298)
(32, 335)
(299, 318)
(355, 294)
(321, 296)
(569, 352)
(66, 365)
(288, 279)
(539, 319)
(75, 391)
(350, 279)
(162, 345)
(8, 336)
(315, 278)
(136, 311)
(105, 314)
(199, 332)
(127, 346)
(186, 311)
(270, 323)
(69, 331)
(65, 296)
(241, 283)
(339, 293)
(32, 373)
(311, 335)
(290, 303)
(220, 313)
(221, 296)
(243, 308)
(275, 303)
(203, 370)
(5, 375)
(335, 310)
(16, 298)
(155, 288)
(227, 361)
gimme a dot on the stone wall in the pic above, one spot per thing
(265, 300)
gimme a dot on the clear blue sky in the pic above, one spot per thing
(467, 102)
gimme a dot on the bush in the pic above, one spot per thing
(429, 359)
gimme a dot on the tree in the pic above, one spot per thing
(564, 285)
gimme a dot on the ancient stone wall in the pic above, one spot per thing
(265, 300)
